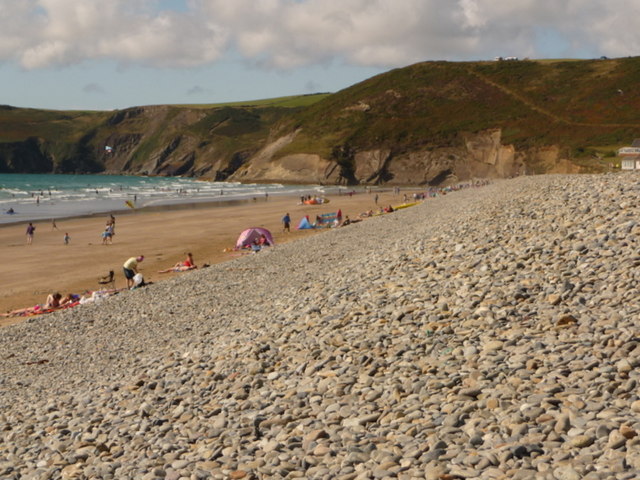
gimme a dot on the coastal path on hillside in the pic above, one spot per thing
(541, 110)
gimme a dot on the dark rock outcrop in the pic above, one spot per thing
(28, 156)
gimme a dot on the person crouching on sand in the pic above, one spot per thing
(130, 268)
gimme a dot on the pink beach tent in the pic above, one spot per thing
(247, 237)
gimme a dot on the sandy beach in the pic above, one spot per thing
(31, 272)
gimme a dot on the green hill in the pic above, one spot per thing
(419, 124)
(583, 107)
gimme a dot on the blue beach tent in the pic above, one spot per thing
(304, 224)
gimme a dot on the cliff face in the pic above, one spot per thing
(173, 141)
(482, 156)
(155, 141)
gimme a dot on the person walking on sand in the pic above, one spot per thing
(286, 223)
(66, 238)
(30, 230)
(53, 225)
(130, 268)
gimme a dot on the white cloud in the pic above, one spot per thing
(286, 34)
(43, 33)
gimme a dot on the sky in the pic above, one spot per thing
(113, 54)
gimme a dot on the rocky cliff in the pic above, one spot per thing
(483, 155)
(159, 141)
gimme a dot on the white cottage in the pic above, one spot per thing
(630, 156)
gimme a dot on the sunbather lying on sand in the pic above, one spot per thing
(52, 302)
(188, 264)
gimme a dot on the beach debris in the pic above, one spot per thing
(37, 362)
(567, 321)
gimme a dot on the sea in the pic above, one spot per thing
(31, 197)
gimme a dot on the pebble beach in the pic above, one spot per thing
(490, 333)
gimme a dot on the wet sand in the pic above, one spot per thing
(31, 272)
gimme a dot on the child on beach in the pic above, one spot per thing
(66, 238)
(107, 235)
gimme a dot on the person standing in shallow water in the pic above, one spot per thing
(30, 230)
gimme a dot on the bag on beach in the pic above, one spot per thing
(138, 280)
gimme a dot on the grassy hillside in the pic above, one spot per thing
(168, 137)
(586, 108)
(16, 124)
(33, 140)
(65, 141)
(582, 105)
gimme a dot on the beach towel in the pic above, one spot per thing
(328, 219)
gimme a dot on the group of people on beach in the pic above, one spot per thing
(56, 301)
(134, 278)
(107, 234)
(53, 302)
